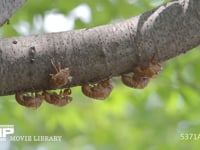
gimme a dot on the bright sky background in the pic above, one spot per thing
(54, 21)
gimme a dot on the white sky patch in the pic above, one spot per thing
(38, 23)
(83, 12)
(23, 28)
(56, 22)
(53, 21)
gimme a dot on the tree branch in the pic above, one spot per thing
(8, 8)
(100, 52)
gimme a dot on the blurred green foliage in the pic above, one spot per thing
(150, 119)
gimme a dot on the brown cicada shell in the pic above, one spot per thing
(142, 75)
(135, 82)
(99, 91)
(61, 78)
(31, 101)
(148, 71)
(60, 99)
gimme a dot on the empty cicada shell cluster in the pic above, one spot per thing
(57, 80)
(142, 75)
(101, 90)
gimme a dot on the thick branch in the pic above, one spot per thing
(8, 8)
(101, 52)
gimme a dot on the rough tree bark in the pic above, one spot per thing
(100, 52)
(8, 8)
